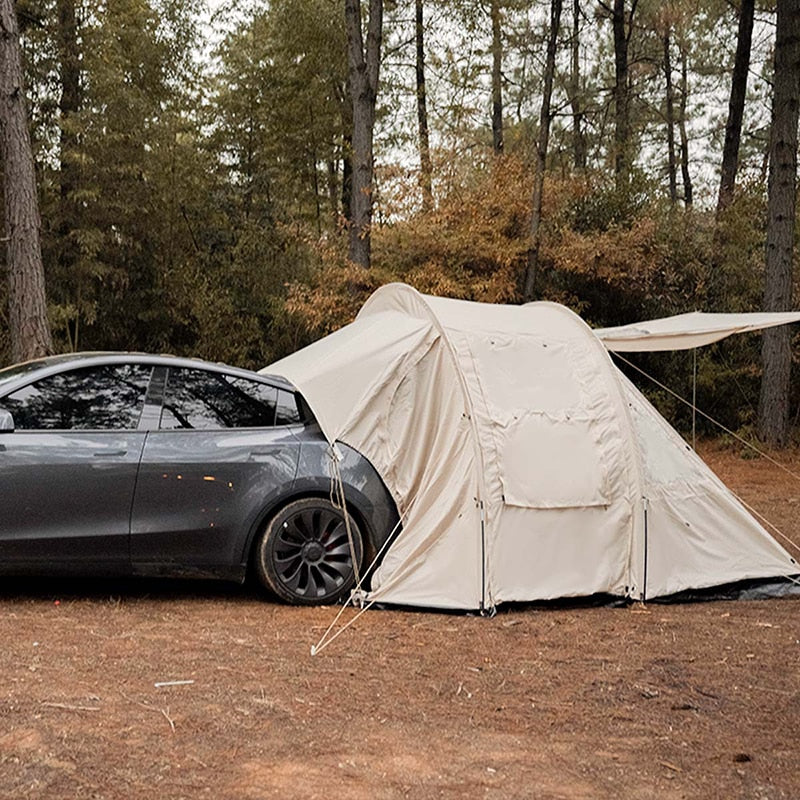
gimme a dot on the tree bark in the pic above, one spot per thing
(578, 136)
(425, 167)
(497, 78)
(773, 409)
(69, 105)
(529, 288)
(29, 327)
(364, 66)
(347, 153)
(672, 165)
(733, 128)
(686, 178)
(622, 125)
(622, 23)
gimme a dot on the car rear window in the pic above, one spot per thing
(206, 400)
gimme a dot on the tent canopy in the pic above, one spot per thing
(523, 464)
(685, 331)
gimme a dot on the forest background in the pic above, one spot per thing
(201, 178)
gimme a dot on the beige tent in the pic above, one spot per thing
(523, 463)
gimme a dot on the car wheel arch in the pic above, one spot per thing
(271, 510)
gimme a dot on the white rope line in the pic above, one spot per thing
(324, 641)
(337, 499)
(389, 539)
(767, 522)
(711, 419)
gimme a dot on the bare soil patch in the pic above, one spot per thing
(697, 700)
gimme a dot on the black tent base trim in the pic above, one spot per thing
(752, 589)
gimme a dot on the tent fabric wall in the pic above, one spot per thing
(523, 464)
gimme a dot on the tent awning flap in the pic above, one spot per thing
(686, 331)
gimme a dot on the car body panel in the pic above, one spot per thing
(66, 496)
(199, 493)
(364, 490)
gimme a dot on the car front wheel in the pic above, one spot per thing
(304, 556)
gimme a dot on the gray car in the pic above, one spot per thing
(126, 464)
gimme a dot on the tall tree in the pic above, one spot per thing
(69, 105)
(425, 168)
(733, 128)
(541, 153)
(497, 77)
(364, 59)
(30, 330)
(688, 189)
(672, 169)
(773, 409)
(622, 22)
(578, 135)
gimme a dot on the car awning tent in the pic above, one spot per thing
(524, 465)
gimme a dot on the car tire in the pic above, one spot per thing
(303, 553)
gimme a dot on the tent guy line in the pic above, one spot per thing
(711, 419)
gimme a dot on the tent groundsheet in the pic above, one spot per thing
(524, 465)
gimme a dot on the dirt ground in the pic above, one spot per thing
(698, 700)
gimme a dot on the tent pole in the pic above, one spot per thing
(645, 504)
(694, 399)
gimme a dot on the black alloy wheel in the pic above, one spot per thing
(304, 554)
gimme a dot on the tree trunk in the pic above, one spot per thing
(622, 123)
(578, 137)
(344, 96)
(686, 178)
(733, 128)
(529, 288)
(364, 66)
(425, 168)
(497, 78)
(773, 409)
(69, 210)
(29, 328)
(333, 190)
(672, 165)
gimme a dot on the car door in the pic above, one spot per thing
(68, 469)
(221, 451)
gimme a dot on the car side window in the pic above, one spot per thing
(109, 397)
(288, 413)
(198, 399)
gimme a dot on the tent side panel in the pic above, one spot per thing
(420, 438)
(698, 533)
(340, 373)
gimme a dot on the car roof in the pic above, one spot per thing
(28, 371)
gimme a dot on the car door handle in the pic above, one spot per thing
(110, 453)
(263, 452)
